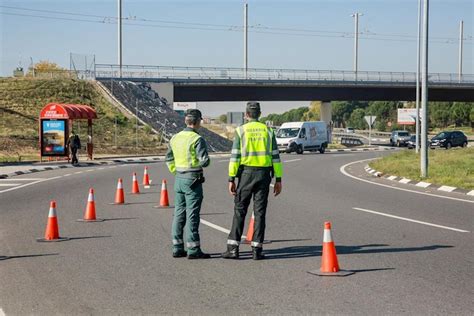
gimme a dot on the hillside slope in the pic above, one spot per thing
(21, 100)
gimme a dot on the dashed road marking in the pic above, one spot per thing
(446, 188)
(225, 160)
(22, 179)
(392, 177)
(292, 160)
(344, 172)
(423, 184)
(404, 180)
(67, 175)
(411, 220)
(9, 184)
(78, 172)
(2, 313)
(89, 170)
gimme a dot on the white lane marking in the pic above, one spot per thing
(225, 160)
(28, 184)
(446, 188)
(344, 172)
(9, 184)
(216, 227)
(411, 220)
(89, 170)
(78, 172)
(392, 177)
(291, 160)
(471, 193)
(67, 175)
(2, 313)
(101, 168)
(423, 184)
(404, 180)
(22, 179)
(113, 167)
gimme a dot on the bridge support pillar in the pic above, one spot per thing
(326, 116)
(165, 90)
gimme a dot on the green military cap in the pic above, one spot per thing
(253, 107)
(194, 113)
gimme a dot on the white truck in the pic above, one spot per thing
(303, 136)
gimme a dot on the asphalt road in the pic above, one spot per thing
(124, 265)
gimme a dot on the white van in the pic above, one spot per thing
(300, 136)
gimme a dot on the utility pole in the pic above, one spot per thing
(115, 140)
(424, 94)
(119, 23)
(246, 39)
(356, 42)
(418, 56)
(461, 35)
(136, 125)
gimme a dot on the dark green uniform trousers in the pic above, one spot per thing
(252, 182)
(187, 211)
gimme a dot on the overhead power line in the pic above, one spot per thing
(217, 27)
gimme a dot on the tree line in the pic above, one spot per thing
(351, 114)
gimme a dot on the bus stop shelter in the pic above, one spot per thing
(55, 125)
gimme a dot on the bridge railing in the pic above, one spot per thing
(215, 73)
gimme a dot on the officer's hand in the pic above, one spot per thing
(232, 188)
(277, 188)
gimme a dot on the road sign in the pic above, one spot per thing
(370, 119)
(406, 116)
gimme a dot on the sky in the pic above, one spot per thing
(315, 34)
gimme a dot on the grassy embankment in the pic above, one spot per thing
(453, 167)
(22, 99)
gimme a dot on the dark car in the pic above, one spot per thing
(411, 143)
(449, 139)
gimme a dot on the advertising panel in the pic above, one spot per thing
(53, 137)
(183, 106)
(406, 116)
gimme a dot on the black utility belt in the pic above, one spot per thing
(256, 168)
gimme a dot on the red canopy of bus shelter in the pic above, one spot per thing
(68, 111)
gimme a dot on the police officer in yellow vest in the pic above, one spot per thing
(255, 159)
(186, 157)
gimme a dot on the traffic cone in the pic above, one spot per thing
(329, 263)
(135, 188)
(89, 215)
(146, 179)
(52, 228)
(119, 194)
(164, 201)
(250, 230)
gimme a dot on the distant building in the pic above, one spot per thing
(18, 72)
(235, 118)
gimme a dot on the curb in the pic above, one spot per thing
(420, 184)
(108, 162)
(361, 149)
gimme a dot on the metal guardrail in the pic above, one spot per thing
(223, 74)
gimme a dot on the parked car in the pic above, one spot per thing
(350, 130)
(411, 143)
(399, 138)
(448, 139)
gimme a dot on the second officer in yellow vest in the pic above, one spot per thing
(186, 156)
(254, 160)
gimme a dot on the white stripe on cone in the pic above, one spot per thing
(163, 185)
(52, 212)
(327, 236)
(119, 185)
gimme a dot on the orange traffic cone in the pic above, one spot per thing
(146, 179)
(135, 188)
(164, 201)
(52, 228)
(119, 194)
(89, 215)
(329, 264)
(250, 230)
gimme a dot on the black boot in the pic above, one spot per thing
(257, 253)
(198, 255)
(179, 253)
(231, 253)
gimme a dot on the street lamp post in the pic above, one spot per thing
(356, 42)
(461, 35)
(119, 23)
(424, 94)
(246, 22)
(418, 56)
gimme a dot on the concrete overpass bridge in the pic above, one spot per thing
(194, 84)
